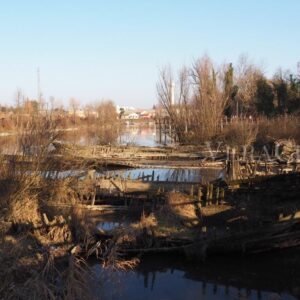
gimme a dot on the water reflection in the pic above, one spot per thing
(106, 226)
(168, 174)
(267, 277)
(138, 134)
(141, 135)
(132, 134)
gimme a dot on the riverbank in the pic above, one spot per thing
(55, 241)
(52, 221)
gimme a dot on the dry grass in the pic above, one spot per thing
(33, 249)
(62, 191)
(175, 205)
(262, 133)
(271, 130)
(37, 265)
(147, 221)
(24, 210)
(239, 133)
(80, 223)
(174, 219)
(78, 277)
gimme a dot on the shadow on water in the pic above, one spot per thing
(275, 276)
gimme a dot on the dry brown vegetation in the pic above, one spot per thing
(260, 135)
(239, 133)
(211, 100)
(174, 220)
(275, 129)
(44, 232)
(200, 100)
(98, 122)
(35, 242)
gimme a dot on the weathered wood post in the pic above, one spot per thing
(217, 195)
(211, 195)
(91, 175)
(192, 190)
(165, 128)
(93, 200)
(160, 129)
(222, 194)
(207, 194)
(232, 165)
(199, 193)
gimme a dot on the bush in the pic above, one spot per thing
(239, 133)
(275, 129)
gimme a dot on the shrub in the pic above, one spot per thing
(239, 133)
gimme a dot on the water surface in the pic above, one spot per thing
(170, 174)
(271, 276)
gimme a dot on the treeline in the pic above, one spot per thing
(99, 121)
(206, 94)
(250, 92)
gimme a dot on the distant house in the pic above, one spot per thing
(138, 114)
(78, 112)
(133, 116)
(147, 114)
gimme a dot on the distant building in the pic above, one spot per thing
(132, 116)
(147, 114)
(120, 109)
(78, 112)
(92, 113)
(136, 114)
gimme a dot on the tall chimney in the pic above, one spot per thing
(172, 93)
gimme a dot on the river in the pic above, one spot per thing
(270, 276)
(267, 276)
(132, 134)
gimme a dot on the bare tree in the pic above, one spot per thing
(74, 104)
(19, 95)
(200, 100)
(209, 99)
(246, 77)
(179, 111)
(107, 128)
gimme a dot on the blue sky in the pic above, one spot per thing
(94, 49)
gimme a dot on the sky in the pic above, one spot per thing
(100, 49)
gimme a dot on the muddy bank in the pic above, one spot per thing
(252, 218)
